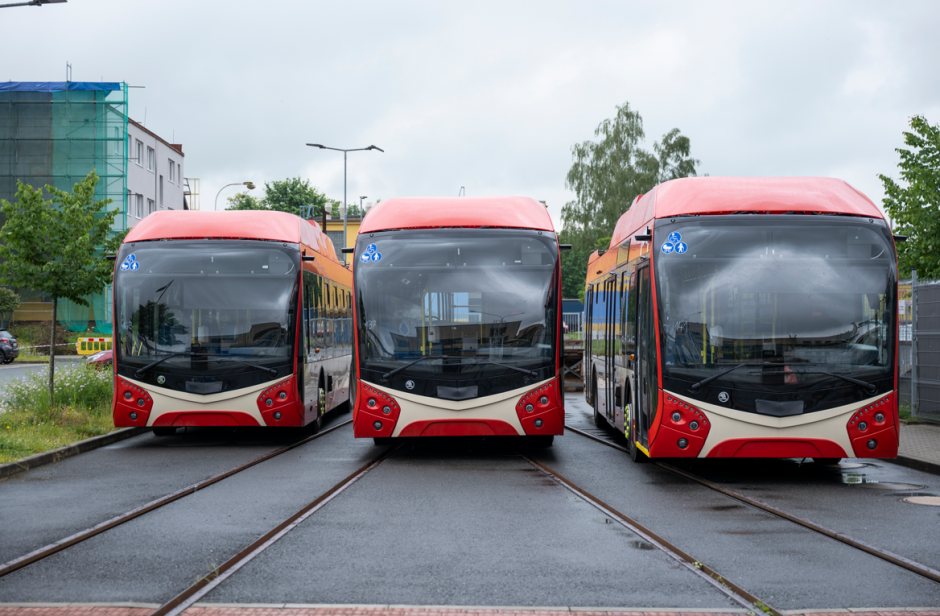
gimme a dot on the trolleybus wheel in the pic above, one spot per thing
(635, 454)
(166, 431)
(598, 420)
(827, 461)
(382, 440)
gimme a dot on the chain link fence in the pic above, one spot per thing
(923, 373)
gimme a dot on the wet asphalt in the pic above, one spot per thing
(460, 522)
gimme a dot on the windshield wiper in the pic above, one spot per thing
(698, 386)
(531, 373)
(238, 361)
(140, 372)
(869, 387)
(391, 373)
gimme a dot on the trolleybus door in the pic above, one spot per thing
(610, 375)
(645, 355)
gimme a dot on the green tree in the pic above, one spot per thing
(606, 176)
(58, 247)
(9, 302)
(244, 201)
(914, 206)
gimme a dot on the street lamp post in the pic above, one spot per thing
(361, 213)
(323, 147)
(250, 186)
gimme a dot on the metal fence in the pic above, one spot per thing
(924, 354)
(574, 325)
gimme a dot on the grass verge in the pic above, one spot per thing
(30, 423)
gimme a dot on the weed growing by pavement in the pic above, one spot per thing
(31, 423)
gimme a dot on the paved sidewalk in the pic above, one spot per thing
(920, 447)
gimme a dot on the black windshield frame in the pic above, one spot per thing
(502, 286)
(815, 294)
(226, 308)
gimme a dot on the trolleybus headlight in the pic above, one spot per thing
(862, 426)
(386, 409)
(529, 408)
(683, 443)
(140, 402)
(377, 425)
(694, 425)
(133, 416)
(277, 414)
(872, 444)
(282, 395)
(372, 403)
(538, 423)
(128, 395)
(268, 401)
(676, 416)
(879, 417)
(543, 400)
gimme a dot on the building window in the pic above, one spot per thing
(139, 210)
(172, 172)
(161, 191)
(149, 159)
(140, 154)
(151, 206)
(128, 204)
(179, 174)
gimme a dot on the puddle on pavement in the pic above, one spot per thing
(931, 501)
(641, 545)
(873, 484)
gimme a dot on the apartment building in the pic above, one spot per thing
(154, 174)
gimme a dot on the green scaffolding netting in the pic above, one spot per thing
(72, 316)
(77, 318)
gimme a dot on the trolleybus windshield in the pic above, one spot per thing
(796, 303)
(219, 314)
(484, 298)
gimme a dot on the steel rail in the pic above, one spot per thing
(58, 546)
(725, 586)
(891, 557)
(206, 584)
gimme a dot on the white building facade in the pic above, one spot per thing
(154, 174)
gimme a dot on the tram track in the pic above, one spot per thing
(206, 584)
(88, 533)
(895, 559)
(734, 592)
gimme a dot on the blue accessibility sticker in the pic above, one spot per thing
(130, 263)
(667, 248)
(376, 257)
(681, 248)
(675, 237)
(371, 249)
(365, 258)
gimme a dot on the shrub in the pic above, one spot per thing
(38, 334)
(76, 387)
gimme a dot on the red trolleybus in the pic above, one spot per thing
(458, 320)
(229, 319)
(746, 317)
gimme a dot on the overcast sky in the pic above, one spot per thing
(491, 96)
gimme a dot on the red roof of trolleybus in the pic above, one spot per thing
(436, 212)
(243, 225)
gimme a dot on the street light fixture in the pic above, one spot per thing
(250, 186)
(32, 3)
(361, 213)
(323, 147)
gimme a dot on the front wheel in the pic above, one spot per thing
(635, 454)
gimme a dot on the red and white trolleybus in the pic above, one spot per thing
(229, 319)
(746, 317)
(457, 320)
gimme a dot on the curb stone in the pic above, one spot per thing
(54, 455)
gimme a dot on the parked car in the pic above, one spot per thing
(101, 359)
(9, 349)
